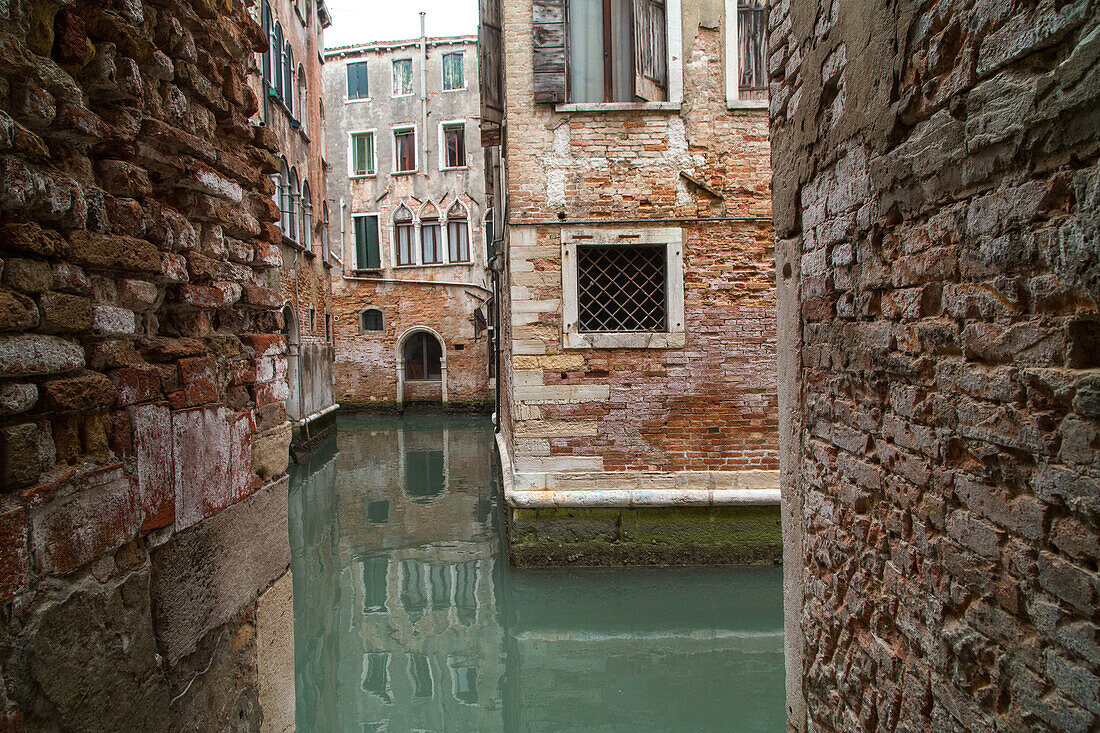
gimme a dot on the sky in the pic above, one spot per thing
(365, 21)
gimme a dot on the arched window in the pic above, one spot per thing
(431, 242)
(307, 216)
(303, 103)
(282, 194)
(265, 60)
(324, 231)
(288, 77)
(458, 232)
(293, 200)
(403, 236)
(371, 320)
(277, 59)
(423, 358)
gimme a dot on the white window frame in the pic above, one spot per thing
(733, 87)
(674, 44)
(373, 132)
(354, 246)
(415, 221)
(443, 146)
(394, 129)
(673, 338)
(465, 84)
(412, 80)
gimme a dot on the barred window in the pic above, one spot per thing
(621, 288)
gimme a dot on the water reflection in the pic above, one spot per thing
(406, 618)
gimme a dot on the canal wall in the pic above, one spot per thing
(936, 207)
(143, 436)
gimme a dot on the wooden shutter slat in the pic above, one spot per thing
(374, 260)
(548, 51)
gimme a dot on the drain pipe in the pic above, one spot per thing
(343, 244)
(424, 88)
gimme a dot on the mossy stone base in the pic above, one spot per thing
(739, 535)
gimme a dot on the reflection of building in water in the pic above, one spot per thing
(417, 643)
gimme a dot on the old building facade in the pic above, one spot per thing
(287, 81)
(407, 188)
(143, 432)
(937, 203)
(638, 339)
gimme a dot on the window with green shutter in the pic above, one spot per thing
(362, 154)
(357, 80)
(367, 252)
(453, 73)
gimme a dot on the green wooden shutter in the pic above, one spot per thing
(367, 252)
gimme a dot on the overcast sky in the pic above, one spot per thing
(364, 21)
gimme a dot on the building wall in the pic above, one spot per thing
(936, 209)
(367, 363)
(143, 439)
(305, 266)
(709, 405)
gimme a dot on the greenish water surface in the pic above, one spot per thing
(408, 618)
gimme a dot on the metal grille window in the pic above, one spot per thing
(621, 288)
(370, 320)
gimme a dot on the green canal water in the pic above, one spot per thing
(407, 616)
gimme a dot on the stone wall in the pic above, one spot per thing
(936, 203)
(143, 440)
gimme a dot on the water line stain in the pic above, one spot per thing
(408, 618)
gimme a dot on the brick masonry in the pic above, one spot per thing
(936, 199)
(709, 405)
(142, 368)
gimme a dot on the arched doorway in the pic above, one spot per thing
(421, 365)
(290, 329)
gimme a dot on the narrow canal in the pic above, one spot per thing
(407, 616)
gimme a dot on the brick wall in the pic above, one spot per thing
(708, 406)
(937, 192)
(143, 441)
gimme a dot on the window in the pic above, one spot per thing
(303, 101)
(458, 238)
(277, 59)
(414, 599)
(312, 320)
(424, 475)
(374, 569)
(378, 512)
(607, 51)
(361, 149)
(265, 60)
(367, 251)
(293, 201)
(403, 235)
(404, 149)
(283, 194)
(746, 47)
(465, 684)
(288, 78)
(430, 244)
(454, 144)
(326, 253)
(328, 327)
(306, 213)
(357, 81)
(423, 356)
(402, 77)
(375, 674)
(421, 673)
(370, 320)
(454, 76)
(623, 289)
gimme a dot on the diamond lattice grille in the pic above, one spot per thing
(621, 288)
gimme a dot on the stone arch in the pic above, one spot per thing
(399, 357)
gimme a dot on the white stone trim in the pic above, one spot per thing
(674, 338)
(399, 349)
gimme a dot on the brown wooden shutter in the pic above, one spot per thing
(548, 55)
(650, 51)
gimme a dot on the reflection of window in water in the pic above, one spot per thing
(420, 671)
(378, 726)
(374, 584)
(376, 675)
(441, 586)
(465, 679)
(378, 512)
(465, 587)
(413, 598)
(424, 474)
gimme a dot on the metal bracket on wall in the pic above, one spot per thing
(699, 184)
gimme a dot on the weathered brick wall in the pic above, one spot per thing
(709, 406)
(366, 363)
(143, 445)
(937, 202)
